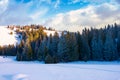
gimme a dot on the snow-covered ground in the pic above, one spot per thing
(52, 32)
(13, 70)
(6, 38)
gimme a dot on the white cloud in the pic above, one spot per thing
(94, 15)
(20, 13)
(14, 13)
(38, 14)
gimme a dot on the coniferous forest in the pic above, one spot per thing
(92, 44)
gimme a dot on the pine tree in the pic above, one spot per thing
(96, 48)
(110, 50)
(68, 48)
(73, 47)
(84, 49)
(49, 44)
(54, 47)
(43, 50)
(118, 43)
(63, 50)
(49, 59)
(19, 56)
(100, 47)
(27, 52)
(55, 41)
(19, 51)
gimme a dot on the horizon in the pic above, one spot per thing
(71, 15)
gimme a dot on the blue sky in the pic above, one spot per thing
(60, 14)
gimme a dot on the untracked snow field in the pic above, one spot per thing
(34, 70)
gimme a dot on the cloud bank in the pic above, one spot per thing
(90, 16)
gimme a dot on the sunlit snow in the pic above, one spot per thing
(6, 38)
(52, 32)
(35, 70)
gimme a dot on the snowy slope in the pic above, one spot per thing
(13, 70)
(6, 38)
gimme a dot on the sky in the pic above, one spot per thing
(71, 15)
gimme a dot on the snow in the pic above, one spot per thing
(4, 59)
(34, 70)
(6, 38)
(52, 32)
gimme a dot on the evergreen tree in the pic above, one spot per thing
(73, 47)
(96, 48)
(118, 43)
(43, 50)
(84, 49)
(49, 59)
(68, 48)
(55, 41)
(110, 50)
(19, 51)
(54, 47)
(63, 50)
(27, 52)
(49, 45)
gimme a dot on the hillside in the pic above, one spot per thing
(6, 38)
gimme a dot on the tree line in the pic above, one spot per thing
(92, 44)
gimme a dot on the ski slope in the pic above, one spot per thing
(6, 38)
(13, 70)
